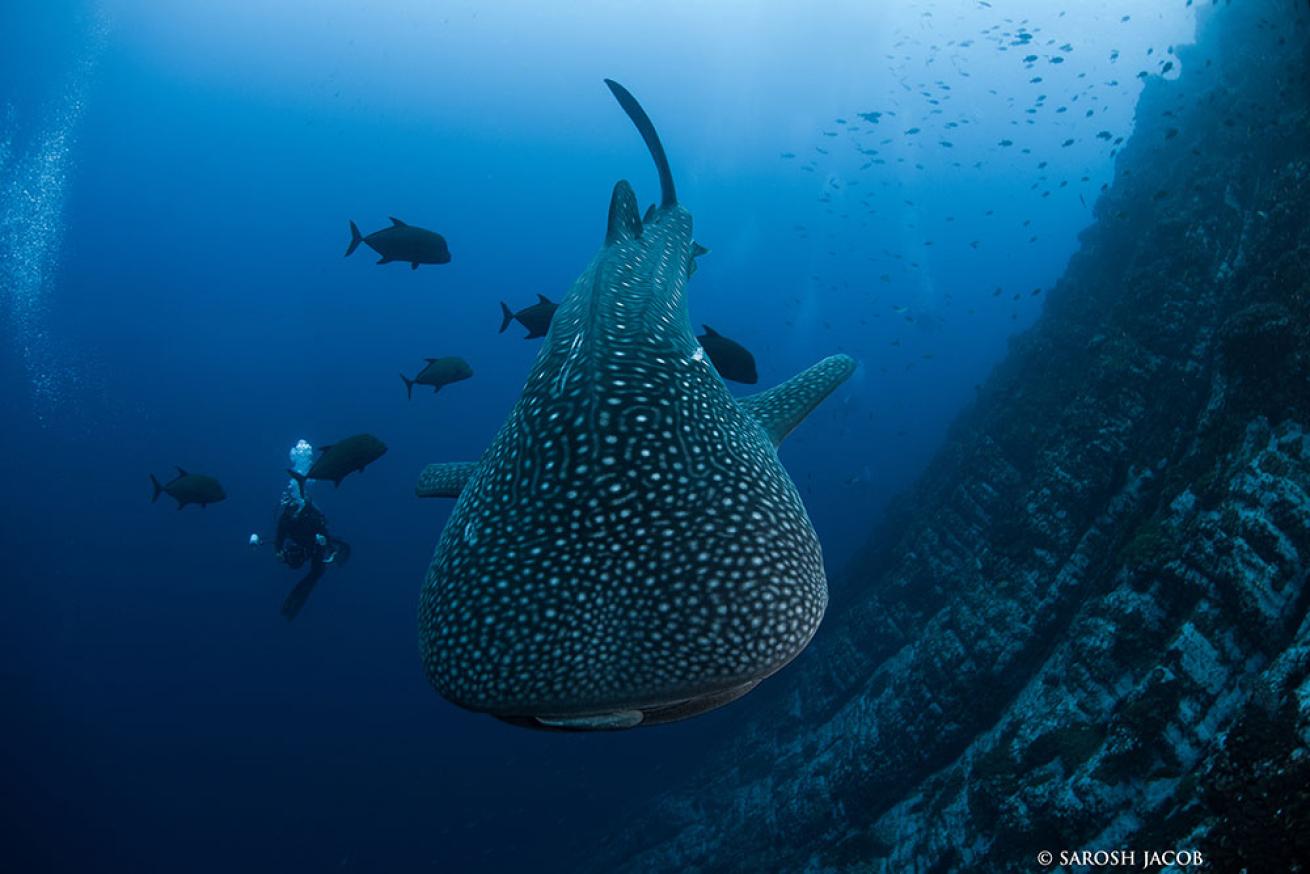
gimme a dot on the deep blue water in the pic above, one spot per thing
(176, 187)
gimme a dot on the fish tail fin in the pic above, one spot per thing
(159, 490)
(506, 316)
(409, 386)
(299, 478)
(355, 239)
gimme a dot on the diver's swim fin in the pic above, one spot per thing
(300, 594)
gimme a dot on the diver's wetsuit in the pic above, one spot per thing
(302, 536)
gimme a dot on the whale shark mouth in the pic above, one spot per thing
(617, 720)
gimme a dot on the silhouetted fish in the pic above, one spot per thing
(337, 460)
(402, 242)
(731, 359)
(189, 488)
(535, 318)
(438, 372)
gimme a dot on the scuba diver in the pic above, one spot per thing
(302, 536)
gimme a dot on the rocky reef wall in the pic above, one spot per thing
(1086, 626)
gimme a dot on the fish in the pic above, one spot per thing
(731, 359)
(402, 242)
(189, 488)
(629, 550)
(535, 318)
(337, 460)
(438, 372)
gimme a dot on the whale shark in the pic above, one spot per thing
(629, 550)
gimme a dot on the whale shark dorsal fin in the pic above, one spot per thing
(650, 213)
(624, 222)
(395, 222)
(780, 409)
(444, 480)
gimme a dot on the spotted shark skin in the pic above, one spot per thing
(629, 550)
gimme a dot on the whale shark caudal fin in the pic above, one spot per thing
(783, 407)
(444, 480)
(668, 197)
(355, 239)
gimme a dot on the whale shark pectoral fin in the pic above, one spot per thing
(696, 251)
(624, 221)
(780, 409)
(444, 480)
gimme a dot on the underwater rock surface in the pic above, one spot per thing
(1086, 626)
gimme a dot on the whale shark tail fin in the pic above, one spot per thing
(780, 409)
(668, 197)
